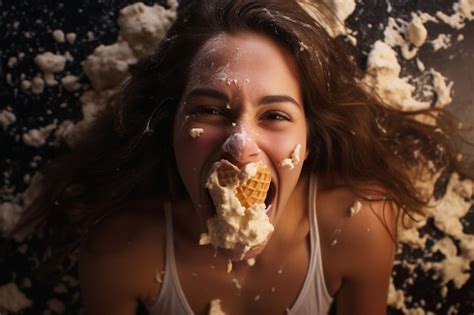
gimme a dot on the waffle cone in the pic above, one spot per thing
(254, 191)
(227, 174)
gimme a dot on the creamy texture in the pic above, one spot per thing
(9, 216)
(235, 142)
(382, 75)
(293, 160)
(416, 31)
(396, 91)
(50, 63)
(7, 118)
(12, 299)
(71, 38)
(234, 226)
(37, 85)
(215, 308)
(446, 215)
(107, 67)
(70, 83)
(251, 262)
(443, 41)
(144, 26)
(58, 36)
(196, 132)
(333, 23)
(442, 90)
(37, 137)
(355, 208)
(463, 11)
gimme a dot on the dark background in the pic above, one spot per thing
(40, 18)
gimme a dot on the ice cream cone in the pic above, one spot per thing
(254, 191)
(227, 174)
(240, 223)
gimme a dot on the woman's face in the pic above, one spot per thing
(241, 83)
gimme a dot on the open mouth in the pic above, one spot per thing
(239, 197)
(227, 185)
(270, 198)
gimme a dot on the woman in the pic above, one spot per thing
(135, 193)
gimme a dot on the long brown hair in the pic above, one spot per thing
(127, 154)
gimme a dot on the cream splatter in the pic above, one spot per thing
(355, 208)
(216, 308)
(293, 160)
(196, 132)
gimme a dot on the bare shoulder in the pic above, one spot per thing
(120, 258)
(358, 244)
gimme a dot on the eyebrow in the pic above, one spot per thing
(278, 99)
(209, 92)
(223, 97)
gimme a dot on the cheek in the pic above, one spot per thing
(192, 154)
(281, 146)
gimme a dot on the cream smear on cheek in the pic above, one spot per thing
(293, 160)
(196, 132)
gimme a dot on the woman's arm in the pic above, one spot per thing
(116, 269)
(370, 254)
(105, 285)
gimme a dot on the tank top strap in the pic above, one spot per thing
(171, 286)
(319, 281)
(313, 297)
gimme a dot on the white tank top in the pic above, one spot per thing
(313, 298)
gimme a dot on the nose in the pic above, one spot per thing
(241, 147)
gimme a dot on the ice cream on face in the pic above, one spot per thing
(293, 160)
(196, 132)
(235, 143)
(240, 222)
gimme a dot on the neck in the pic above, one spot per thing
(187, 222)
(293, 228)
(296, 210)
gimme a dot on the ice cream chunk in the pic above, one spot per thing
(240, 222)
(293, 160)
(215, 308)
(196, 132)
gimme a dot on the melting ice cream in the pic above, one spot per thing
(240, 222)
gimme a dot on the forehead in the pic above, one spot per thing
(243, 57)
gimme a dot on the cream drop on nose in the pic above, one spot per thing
(240, 145)
(236, 143)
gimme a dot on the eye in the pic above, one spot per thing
(276, 115)
(206, 110)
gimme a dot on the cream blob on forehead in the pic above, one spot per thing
(207, 66)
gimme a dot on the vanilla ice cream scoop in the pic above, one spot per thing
(240, 222)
